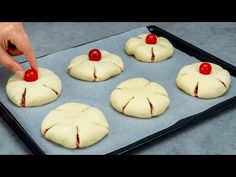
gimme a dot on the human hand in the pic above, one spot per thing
(14, 41)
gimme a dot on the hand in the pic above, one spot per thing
(14, 41)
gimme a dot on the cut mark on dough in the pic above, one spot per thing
(94, 74)
(222, 83)
(115, 65)
(153, 56)
(77, 137)
(151, 106)
(46, 130)
(183, 74)
(68, 70)
(163, 45)
(125, 87)
(85, 109)
(23, 101)
(127, 103)
(148, 83)
(139, 37)
(196, 90)
(162, 94)
(51, 89)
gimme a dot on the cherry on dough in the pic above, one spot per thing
(203, 80)
(149, 48)
(39, 89)
(98, 65)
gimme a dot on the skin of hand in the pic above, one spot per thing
(15, 41)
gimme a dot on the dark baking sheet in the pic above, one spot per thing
(126, 133)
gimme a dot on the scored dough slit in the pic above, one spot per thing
(94, 74)
(68, 70)
(127, 103)
(77, 137)
(153, 56)
(23, 100)
(46, 130)
(100, 125)
(183, 74)
(85, 109)
(196, 90)
(115, 64)
(147, 84)
(160, 94)
(163, 45)
(51, 89)
(222, 83)
(151, 106)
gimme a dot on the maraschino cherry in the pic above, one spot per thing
(151, 39)
(31, 75)
(95, 55)
(205, 68)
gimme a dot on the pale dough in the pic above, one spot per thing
(28, 94)
(140, 98)
(82, 68)
(192, 82)
(142, 51)
(75, 125)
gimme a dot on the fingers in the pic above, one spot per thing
(30, 56)
(10, 64)
(22, 43)
(14, 52)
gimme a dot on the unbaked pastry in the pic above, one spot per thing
(82, 68)
(213, 85)
(140, 98)
(142, 51)
(28, 94)
(75, 125)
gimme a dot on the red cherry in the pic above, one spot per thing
(95, 55)
(151, 39)
(205, 68)
(31, 75)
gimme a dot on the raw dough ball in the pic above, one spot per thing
(192, 82)
(75, 125)
(140, 98)
(82, 68)
(142, 51)
(28, 94)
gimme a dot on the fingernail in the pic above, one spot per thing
(18, 74)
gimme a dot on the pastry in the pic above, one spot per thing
(96, 66)
(203, 80)
(149, 48)
(140, 98)
(75, 125)
(35, 89)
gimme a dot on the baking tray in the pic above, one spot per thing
(126, 133)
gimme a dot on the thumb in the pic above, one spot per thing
(10, 64)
